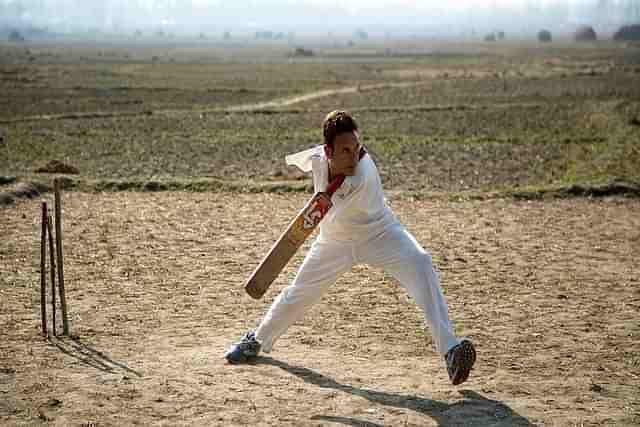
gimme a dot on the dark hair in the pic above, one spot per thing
(335, 123)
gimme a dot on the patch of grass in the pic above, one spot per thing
(619, 159)
(613, 187)
(195, 185)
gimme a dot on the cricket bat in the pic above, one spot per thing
(293, 237)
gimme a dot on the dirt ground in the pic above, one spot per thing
(548, 290)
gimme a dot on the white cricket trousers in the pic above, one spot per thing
(395, 250)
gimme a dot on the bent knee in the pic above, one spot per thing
(422, 258)
(427, 259)
(293, 295)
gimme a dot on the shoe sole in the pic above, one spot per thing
(464, 359)
(237, 357)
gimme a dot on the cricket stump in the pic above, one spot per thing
(63, 298)
(43, 272)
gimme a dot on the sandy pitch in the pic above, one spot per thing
(549, 291)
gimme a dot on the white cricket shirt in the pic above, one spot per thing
(360, 209)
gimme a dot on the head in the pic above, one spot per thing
(341, 143)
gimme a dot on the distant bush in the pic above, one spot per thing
(361, 34)
(585, 33)
(56, 166)
(500, 35)
(300, 51)
(628, 33)
(267, 35)
(226, 35)
(15, 36)
(491, 37)
(544, 36)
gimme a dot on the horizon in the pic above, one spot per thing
(315, 17)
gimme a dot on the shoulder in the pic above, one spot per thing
(367, 162)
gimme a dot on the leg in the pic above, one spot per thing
(398, 252)
(400, 255)
(324, 263)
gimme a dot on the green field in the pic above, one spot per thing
(437, 117)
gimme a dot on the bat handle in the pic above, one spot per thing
(335, 184)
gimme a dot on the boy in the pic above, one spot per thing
(359, 228)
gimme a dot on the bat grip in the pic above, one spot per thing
(335, 184)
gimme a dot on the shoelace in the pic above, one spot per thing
(247, 342)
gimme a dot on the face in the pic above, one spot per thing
(345, 155)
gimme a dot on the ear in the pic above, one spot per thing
(328, 151)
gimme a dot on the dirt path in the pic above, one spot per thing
(549, 291)
(287, 102)
(277, 103)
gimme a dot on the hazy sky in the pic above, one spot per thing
(377, 17)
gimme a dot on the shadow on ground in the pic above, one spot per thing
(346, 421)
(474, 410)
(89, 356)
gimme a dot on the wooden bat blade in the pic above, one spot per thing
(287, 244)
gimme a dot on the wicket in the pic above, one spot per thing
(63, 296)
(47, 228)
(43, 273)
(53, 273)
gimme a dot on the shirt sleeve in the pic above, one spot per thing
(320, 168)
(303, 159)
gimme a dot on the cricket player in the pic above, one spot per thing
(359, 228)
